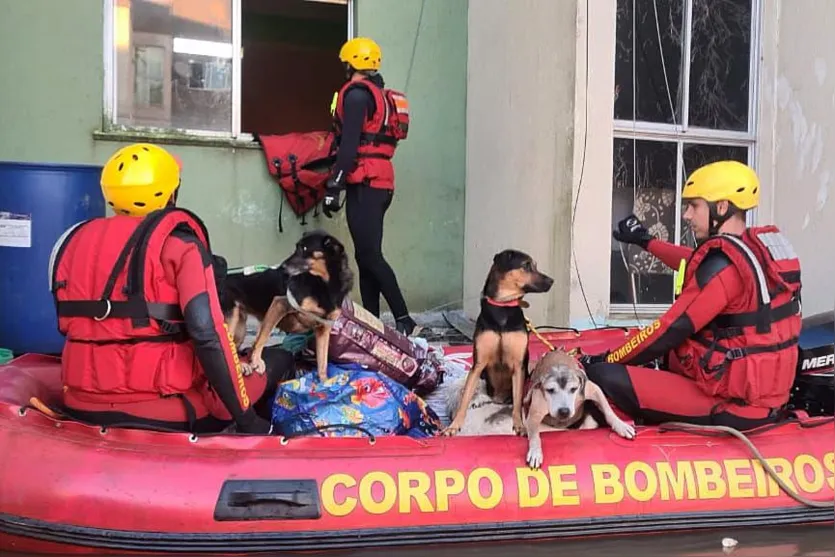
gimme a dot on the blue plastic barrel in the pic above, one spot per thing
(38, 202)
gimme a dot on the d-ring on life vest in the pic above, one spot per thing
(750, 356)
(118, 310)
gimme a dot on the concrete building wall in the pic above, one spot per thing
(520, 135)
(51, 103)
(797, 138)
(592, 173)
(795, 132)
(505, 97)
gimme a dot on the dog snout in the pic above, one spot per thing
(295, 265)
(563, 413)
(540, 283)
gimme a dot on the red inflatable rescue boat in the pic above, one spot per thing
(66, 487)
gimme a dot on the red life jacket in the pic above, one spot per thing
(381, 132)
(301, 164)
(120, 314)
(749, 356)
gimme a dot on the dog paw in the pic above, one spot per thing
(535, 457)
(450, 431)
(246, 369)
(519, 429)
(624, 429)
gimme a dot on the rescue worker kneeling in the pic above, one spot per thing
(730, 337)
(146, 343)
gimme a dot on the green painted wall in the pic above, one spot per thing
(51, 103)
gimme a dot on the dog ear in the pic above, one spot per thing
(501, 262)
(220, 265)
(220, 268)
(509, 259)
(536, 383)
(333, 246)
(503, 259)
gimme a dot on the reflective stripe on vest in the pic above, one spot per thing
(762, 284)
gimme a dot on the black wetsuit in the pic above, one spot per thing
(366, 208)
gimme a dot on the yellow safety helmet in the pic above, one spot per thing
(140, 178)
(361, 53)
(728, 180)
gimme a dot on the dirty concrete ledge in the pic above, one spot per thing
(173, 137)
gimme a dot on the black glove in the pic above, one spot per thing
(590, 359)
(333, 197)
(250, 422)
(632, 231)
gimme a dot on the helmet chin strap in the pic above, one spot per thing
(717, 220)
(172, 201)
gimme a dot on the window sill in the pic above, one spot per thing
(623, 317)
(170, 137)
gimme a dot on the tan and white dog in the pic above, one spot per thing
(556, 397)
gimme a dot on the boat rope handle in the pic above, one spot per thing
(682, 426)
(372, 439)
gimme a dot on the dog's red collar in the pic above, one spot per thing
(509, 304)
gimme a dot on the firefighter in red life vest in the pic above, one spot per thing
(369, 121)
(135, 293)
(729, 340)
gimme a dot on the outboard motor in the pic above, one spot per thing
(814, 384)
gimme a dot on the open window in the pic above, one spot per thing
(224, 67)
(290, 67)
(685, 83)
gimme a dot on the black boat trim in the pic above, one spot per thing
(246, 542)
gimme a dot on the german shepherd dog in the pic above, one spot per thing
(304, 293)
(561, 396)
(500, 342)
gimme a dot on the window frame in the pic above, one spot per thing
(682, 133)
(110, 90)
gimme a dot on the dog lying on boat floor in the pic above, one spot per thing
(500, 341)
(559, 396)
(304, 293)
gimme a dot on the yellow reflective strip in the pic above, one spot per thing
(333, 102)
(679, 280)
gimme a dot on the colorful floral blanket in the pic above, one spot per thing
(353, 402)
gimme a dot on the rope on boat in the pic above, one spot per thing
(681, 426)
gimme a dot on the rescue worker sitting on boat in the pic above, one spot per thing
(146, 343)
(730, 337)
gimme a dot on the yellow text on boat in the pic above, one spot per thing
(660, 484)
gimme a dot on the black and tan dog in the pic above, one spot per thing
(500, 341)
(304, 293)
(561, 396)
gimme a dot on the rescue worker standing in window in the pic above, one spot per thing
(146, 343)
(369, 120)
(730, 337)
